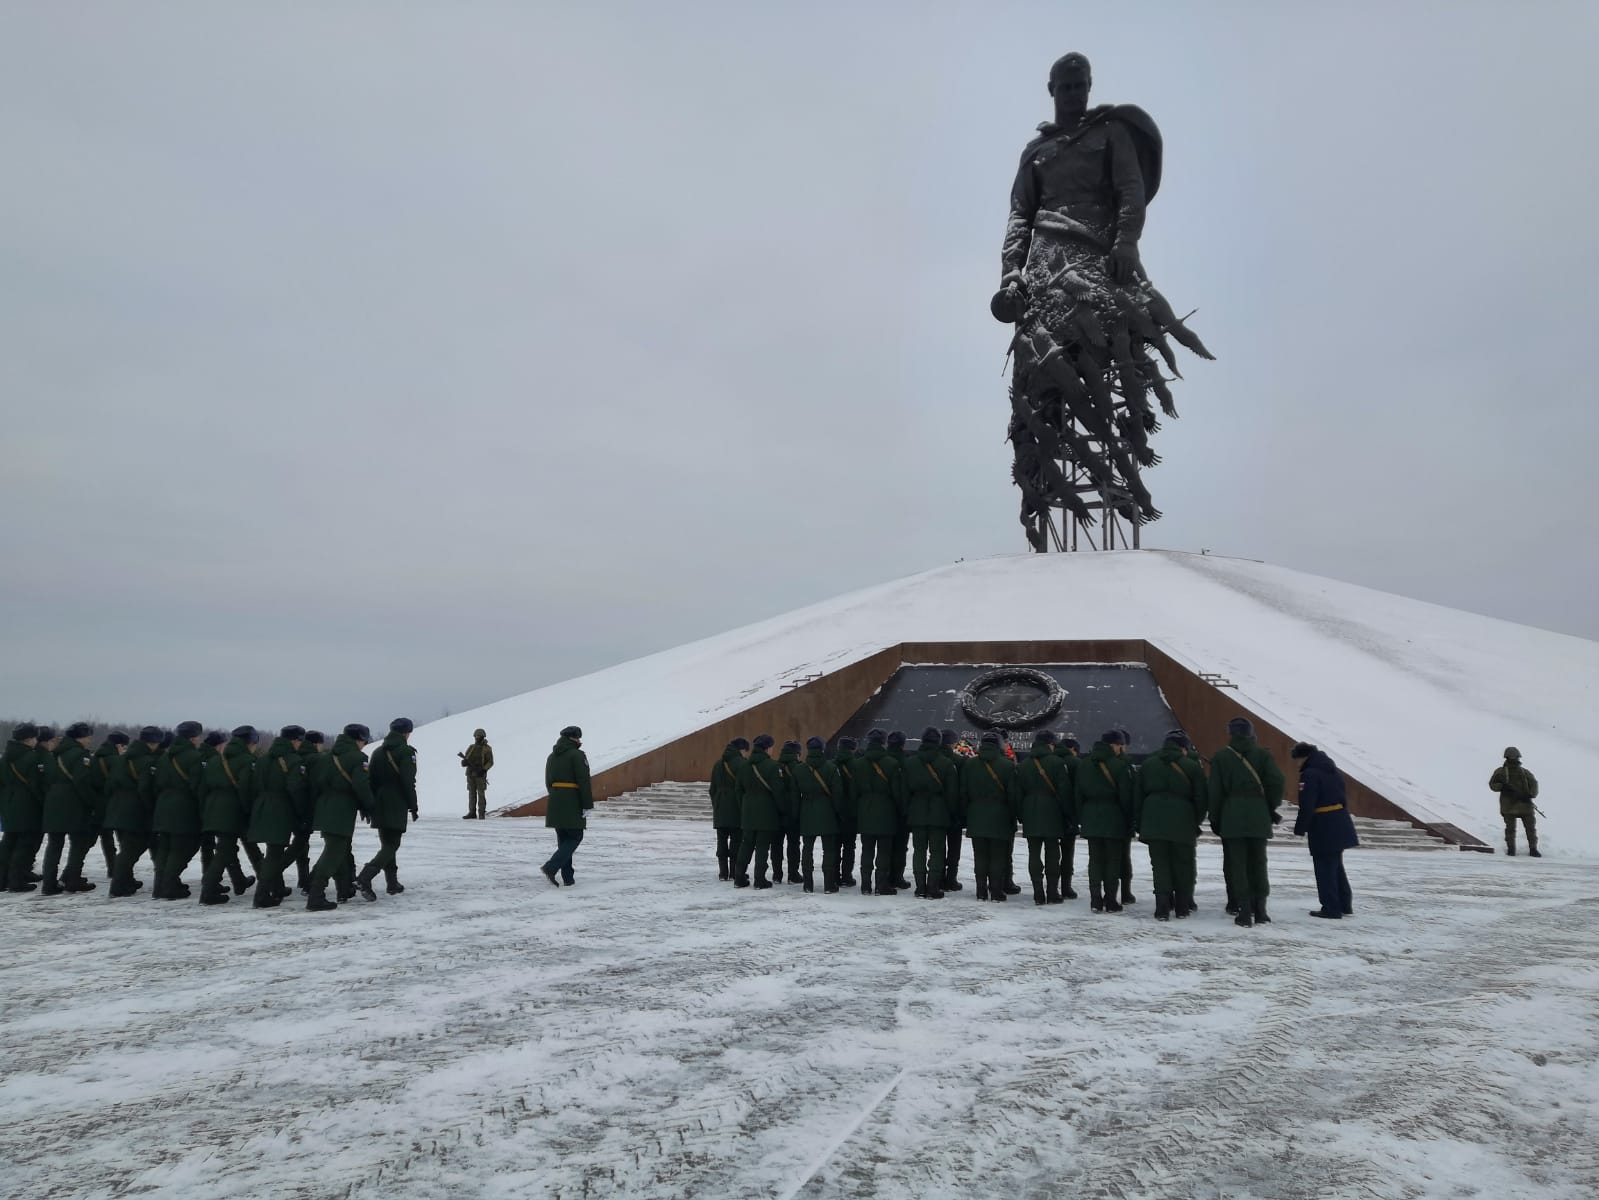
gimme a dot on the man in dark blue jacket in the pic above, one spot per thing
(1324, 818)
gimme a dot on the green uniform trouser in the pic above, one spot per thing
(130, 848)
(300, 854)
(224, 854)
(1010, 859)
(252, 854)
(1104, 860)
(388, 847)
(756, 844)
(876, 865)
(8, 851)
(1043, 862)
(1068, 858)
(77, 845)
(1246, 870)
(1127, 861)
(108, 848)
(900, 854)
(477, 797)
(1529, 823)
(1173, 867)
(177, 851)
(829, 860)
(272, 864)
(846, 856)
(334, 863)
(988, 862)
(22, 856)
(953, 837)
(927, 856)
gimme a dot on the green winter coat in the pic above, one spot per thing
(279, 793)
(989, 794)
(315, 762)
(724, 790)
(820, 793)
(789, 760)
(106, 760)
(227, 789)
(1169, 798)
(1070, 763)
(1104, 794)
(1517, 788)
(177, 790)
(956, 765)
(73, 796)
(1246, 787)
(1045, 797)
(880, 793)
(931, 791)
(393, 782)
(345, 791)
(763, 793)
(566, 779)
(129, 797)
(21, 808)
(844, 762)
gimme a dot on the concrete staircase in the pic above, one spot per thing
(692, 802)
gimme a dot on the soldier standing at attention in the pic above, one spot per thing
(1105, 811)
(1127, 846)
(69, 804)
(788, 812)
(176, 822)
(988, 798)
(566, 778)
(1169, 801)
(900, 849)
(880, 788)
(1067, 749)
(393, 780)
(346, 791)
(956, 833)
(848, 810)
(315, 764)
(127, 808)
(1517, 788)
(1246, 787)
(760, 787)
(1324, 817)
(280, 787)
(19, 810)
(478, 760)
(819, 793)
(931, 801)
(105, 758)
(1045, 803)
(227, 790)
(725, 805)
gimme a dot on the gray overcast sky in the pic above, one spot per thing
(362, 358)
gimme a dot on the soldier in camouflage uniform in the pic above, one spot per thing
(1517, 788)
(477, 760)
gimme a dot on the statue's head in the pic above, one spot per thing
(1069, 81)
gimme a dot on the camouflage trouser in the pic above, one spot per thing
(1529, 822)
(477, 798)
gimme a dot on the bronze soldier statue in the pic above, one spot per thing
(1091, 330)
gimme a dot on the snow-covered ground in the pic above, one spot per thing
(1414, 699)
(652, 1032)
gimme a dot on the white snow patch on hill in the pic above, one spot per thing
(1414, 699)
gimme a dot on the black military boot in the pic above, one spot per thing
(1510, 848)
(214, 896)
(741, 881)
(761, 883)
(721, 867)
(317, 900)
(79, 884)
(363, 883)
(935, 893)
(810, 882)
(1001, 890)
(51, 887)
(1096, 902)
(1110, 897)
(1260, 911)
(391, 881)
(1127, 892)
(1012, 888)
(1185, 904)
(179, 891)
(982, 888)
(1038, 895)
(121, 889)
(1245, 917)
(266, 898)
(1163, 906)
(1053, 896)
(1068, 893)
(1532, 848)
(1232, 902)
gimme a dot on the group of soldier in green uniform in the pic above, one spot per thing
(185, 792)
(902, 805)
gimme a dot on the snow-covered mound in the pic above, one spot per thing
(1413, 699)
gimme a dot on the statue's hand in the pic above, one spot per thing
(1123, 264)
(1006, 305)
